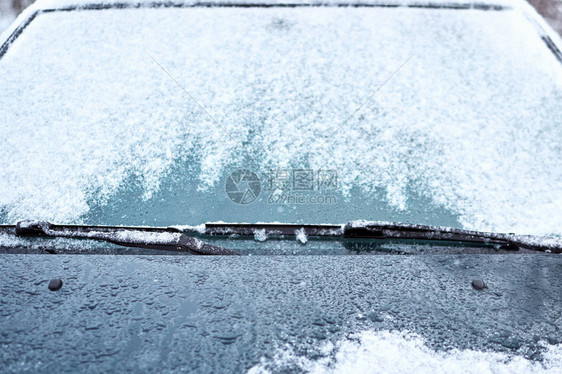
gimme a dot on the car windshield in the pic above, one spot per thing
(178, 116)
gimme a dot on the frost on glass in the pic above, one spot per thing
(466, 134)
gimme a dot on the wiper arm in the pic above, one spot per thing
(169, 239)
(385, 230)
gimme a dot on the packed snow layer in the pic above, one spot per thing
(260, 235)
(301, 236)
(396, 352)
(9, 241)
(472, 121)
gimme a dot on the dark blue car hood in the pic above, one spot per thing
(158, 313)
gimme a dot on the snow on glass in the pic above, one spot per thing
(472, 122)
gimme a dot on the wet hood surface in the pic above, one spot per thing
(153, 313)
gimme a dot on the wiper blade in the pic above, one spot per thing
(385, 230)
(164, 238)
(181, 239)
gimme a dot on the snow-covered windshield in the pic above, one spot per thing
(317, 115)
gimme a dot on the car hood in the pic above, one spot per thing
(158, 313)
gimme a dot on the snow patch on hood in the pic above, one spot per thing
(401, 352)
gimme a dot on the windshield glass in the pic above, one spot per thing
(311, 115)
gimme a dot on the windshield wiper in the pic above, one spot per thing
(386, 230)
(160, 238)
(182, 238)
(362, 229)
